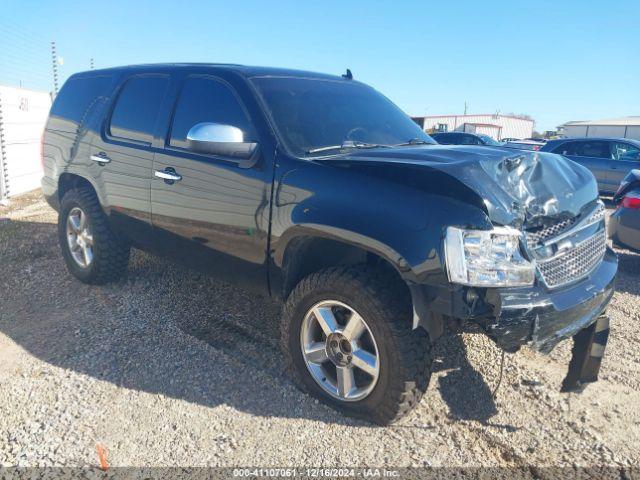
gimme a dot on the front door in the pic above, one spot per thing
(214, 213)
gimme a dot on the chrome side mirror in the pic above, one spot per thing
(220, 139)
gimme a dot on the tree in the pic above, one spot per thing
(523, 116)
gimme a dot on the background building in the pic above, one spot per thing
(23, 114)
(624, 127)
(495, 125)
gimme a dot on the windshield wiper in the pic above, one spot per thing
(413, 141)
(346, 144)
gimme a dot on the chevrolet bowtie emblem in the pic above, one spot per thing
(565, 245)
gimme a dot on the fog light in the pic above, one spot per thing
(471, 297)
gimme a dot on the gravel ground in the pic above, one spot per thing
(171, 368)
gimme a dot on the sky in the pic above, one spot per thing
(555, 61)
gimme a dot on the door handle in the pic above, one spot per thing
(100, 158)
(169, 175)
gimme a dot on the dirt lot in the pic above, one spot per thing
(170, 367)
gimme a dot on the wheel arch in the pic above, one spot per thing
(307, 253)
(69, 181)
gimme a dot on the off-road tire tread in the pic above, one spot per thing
(111, 256)
(390, 298)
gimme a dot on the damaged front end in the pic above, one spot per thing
(544, 274)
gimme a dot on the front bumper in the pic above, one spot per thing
(542, 318)
(513, 317)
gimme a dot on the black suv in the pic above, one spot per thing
(317, 190)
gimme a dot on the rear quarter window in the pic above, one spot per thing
(78, 98)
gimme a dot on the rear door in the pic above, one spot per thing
(593, 154)
(625, 157)
(124, 156)
(216, 217)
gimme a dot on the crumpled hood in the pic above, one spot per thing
(517, 187)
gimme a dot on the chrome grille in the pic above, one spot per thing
(539, 236)
(575, 263)
(579, 243)
(598, 213)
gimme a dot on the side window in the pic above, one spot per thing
(625, 152)
(446, 138)
(207, 100)
(134, 115)
(469, 140)
(567, 148)
(77, 96)
(595, 149)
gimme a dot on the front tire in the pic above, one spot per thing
(347, 337)
(93, 253)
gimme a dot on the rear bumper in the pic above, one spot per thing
(50, 192)
(624, 227)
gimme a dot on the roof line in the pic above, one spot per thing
(474, 115)
(618, 121)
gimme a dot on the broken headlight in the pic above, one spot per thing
(487, 258)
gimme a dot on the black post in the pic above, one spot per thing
(54, 63)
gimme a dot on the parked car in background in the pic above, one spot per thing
(538, 139)
(509, 139)
(609, 159)
(464, 138)
(624, 223)
(525, 145)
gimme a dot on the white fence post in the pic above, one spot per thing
(4, 174)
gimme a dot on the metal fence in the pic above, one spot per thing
(25, 57)
(27, 66)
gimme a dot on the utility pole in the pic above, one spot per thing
(465, 107)
(91, 64)
(54, 63)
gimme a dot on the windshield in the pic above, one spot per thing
(313, 114)
(490, 141)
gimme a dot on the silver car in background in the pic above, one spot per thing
(609, 159)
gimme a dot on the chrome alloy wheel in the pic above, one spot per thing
(339, 350)
(79, 237)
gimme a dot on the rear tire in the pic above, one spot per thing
(93, 253)
(384, 304)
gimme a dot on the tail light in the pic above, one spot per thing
(42, 151)
(536, 147)
(631, 202)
